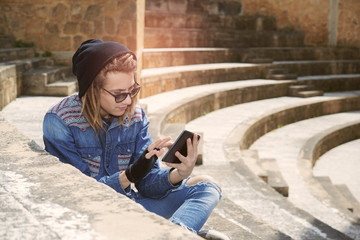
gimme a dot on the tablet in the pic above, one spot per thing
(179, 145)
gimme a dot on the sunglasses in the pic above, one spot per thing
(122, 96)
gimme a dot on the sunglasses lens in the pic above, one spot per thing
(120, 97)
(135, 91)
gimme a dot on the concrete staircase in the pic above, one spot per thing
(38, 75)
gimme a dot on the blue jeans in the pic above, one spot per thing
(188, 205)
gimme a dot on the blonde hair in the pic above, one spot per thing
(91, 99)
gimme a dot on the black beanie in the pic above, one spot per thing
(91, 57)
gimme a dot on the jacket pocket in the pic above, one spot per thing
(92, 156)
(125, 152)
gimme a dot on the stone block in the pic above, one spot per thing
(8, 85)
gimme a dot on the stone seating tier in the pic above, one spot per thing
(166, 57)
(157, 80)
(37, 201)
(179, 38)
(210, 154)
(158, 19)
(301, 189)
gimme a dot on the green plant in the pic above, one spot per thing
(21, 44)
(47, 54)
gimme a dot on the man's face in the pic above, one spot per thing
(116, 83)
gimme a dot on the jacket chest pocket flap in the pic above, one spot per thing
(124, 154)
(92, 156)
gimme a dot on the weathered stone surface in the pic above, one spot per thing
(37, 201)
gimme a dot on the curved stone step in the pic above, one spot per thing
(213, 140)
(260, 203)
(333, 162)
(333, 82)
(316, 146)
(287, 156)
(159, 80)
(196, 37)
(184, 105)
(237, 223)
(158, 19)
(320, 67)
(304, 53)
(165, 57)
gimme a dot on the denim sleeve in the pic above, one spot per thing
(156, 183)
(59, 142)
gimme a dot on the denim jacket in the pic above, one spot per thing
(68, 136)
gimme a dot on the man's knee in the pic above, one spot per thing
(202, 178)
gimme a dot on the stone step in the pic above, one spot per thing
(237, 223)
(10, 54)
(251, 159)
(275, 178)
(29, 64)
(256, 202)
(259, 60)
(158, 19)
(63, 87)
(35, 81)
(345, 191)
(245, 115)
(320, 67)
(281, 53)
(309, 93)
(167, 57)
(186, 104)
(294, 89)
(334, 193)
(279, 76)
(243, 39)
(277, 73)
(36, 205)
(228, 226)
(158, 80)
(194, 37)
(307, 90)
(292, 138)
(332, 83)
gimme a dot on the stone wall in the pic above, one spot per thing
(348, 30)
(314, 17)
(62, 25)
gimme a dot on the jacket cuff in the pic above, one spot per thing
(113, 181)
